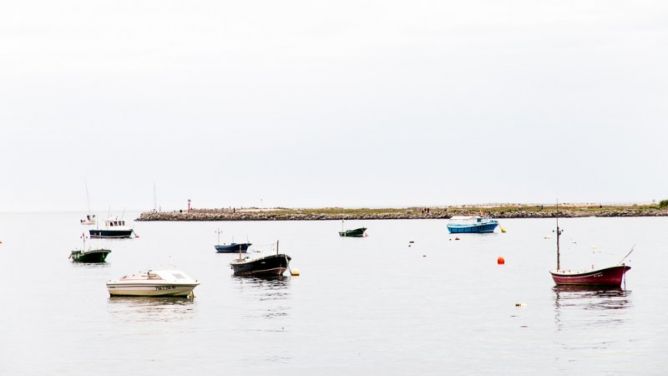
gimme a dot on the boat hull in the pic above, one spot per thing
(143, 289)
(91, 256)
(354, 233)
(472, 229)
(267, 266)
(232, 248)
(110, 234)
(607, 277)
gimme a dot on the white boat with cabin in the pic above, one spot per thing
(153, 283)
(114, 228)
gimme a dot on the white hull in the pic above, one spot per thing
(121, 289)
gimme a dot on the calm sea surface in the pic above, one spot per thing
(361, 306)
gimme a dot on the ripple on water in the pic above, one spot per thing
(151, 309)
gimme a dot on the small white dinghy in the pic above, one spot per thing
(153, 283)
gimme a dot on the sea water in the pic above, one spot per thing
(374, 305)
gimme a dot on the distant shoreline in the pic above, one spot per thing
(323, 214)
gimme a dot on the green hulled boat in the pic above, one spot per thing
(90, 256)
(354, 233)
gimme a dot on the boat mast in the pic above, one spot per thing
(87, 197)
(558, 235)
(155, 199)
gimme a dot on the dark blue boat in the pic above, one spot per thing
(479, 225)
(232, 247)
(110, 234)
(263, 266)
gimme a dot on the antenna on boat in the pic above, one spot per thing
(628, 254)
(218, 232)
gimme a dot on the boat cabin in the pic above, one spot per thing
(115, 222)
(158, 275)
(466, 219)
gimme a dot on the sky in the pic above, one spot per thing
(331, 103)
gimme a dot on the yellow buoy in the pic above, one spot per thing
(503, 229)
(294, 272)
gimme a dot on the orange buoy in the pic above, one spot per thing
(500, 260)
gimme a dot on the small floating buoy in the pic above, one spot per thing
(503, 230)
(411, 242)
(520, 305)
(295, 272)
(500, 260)
(456, 238)
(424, 255)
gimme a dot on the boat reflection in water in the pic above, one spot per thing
(151, 309)
(579, 307)
(272, 294)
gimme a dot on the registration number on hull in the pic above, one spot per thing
(162, 288)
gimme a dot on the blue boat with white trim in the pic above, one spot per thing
(232, 247)
(475, 224)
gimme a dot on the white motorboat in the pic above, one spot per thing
(153, 283)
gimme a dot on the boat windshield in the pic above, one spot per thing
(153, 276)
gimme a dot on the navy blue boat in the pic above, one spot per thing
(263, 266)
(110, 234)
(458, 225)
(232, 247)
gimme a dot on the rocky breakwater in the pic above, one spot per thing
(494, 211)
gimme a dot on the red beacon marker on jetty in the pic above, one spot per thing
(500, 260)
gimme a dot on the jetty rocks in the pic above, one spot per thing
(320, 214)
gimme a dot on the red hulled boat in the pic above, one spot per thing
(607, 277)
(610, 277)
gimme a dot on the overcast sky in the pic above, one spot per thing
(347, 103)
